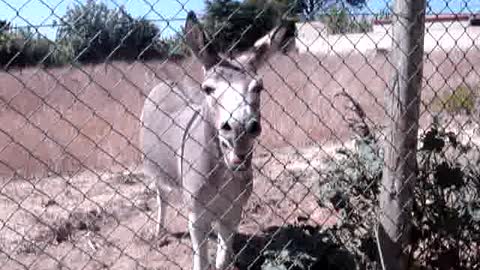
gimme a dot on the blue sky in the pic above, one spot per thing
(41, 13)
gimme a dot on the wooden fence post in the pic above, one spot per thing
(403, 105)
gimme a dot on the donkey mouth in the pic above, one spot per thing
(237, 162)
(238, 159)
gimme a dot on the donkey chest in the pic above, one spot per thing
(231, 182)
(229, 187)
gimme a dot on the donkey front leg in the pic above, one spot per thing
(227, 228)
(160, 228)
(199, 225)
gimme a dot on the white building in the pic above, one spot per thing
(442, 32)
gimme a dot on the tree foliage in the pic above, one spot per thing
(89, 32)
(94, 32)
(310, 8)
(235, 26)
(24, 47)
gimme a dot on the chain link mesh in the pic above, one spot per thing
(73, 191)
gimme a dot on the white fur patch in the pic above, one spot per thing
(233, 102)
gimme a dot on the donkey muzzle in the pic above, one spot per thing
(236, 159)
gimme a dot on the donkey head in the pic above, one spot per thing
(232, 88)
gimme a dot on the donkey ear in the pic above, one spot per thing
(197, 40)
(281, 38)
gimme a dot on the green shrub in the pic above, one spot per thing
(302, 248)
(446, 206)
(63, 53)
(461, 100)
(26, 47)
(339, 21)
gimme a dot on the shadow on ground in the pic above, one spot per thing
(298, 247)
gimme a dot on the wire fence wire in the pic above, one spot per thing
(81, 132)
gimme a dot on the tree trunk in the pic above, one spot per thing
(403, 104)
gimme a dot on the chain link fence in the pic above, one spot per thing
(74, 192)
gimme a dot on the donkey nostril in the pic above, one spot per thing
(253, 127)
(226, 126)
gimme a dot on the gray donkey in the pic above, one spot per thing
(203, 143)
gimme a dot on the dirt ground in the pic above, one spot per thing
(105, 221)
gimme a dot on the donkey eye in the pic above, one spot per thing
(208, 90)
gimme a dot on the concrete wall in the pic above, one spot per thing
(441, 36)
